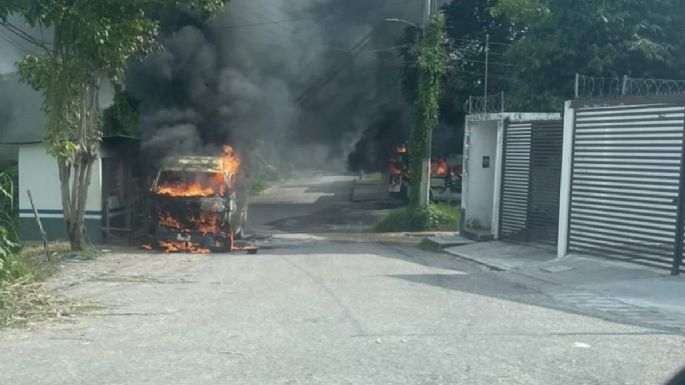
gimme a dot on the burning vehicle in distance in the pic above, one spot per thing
(445, 180)
(199, 203)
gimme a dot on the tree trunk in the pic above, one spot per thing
(74, 198)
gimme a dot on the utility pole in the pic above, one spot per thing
(427, 11)
(487, 62)
(424, 196)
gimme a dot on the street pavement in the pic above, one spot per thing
(313, 308)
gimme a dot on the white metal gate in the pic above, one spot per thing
(626, 182)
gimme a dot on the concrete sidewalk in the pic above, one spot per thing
(503, 256)
(641, 294)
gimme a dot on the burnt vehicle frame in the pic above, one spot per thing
(211, 221)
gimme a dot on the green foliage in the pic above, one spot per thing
(373, 177)
(9, 213)
(641, 39)
(523, 12)
(434, 217)
(539, 46)
(92, 41)
(467, 23)
(432, 64)
(12, 265)
(257, 185)
(121, 118)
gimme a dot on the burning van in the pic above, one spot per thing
(199, 203)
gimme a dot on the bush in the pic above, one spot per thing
(435, 217)
(12, 266)
(258, 185)
(9, 212)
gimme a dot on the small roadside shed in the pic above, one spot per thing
(111, 194)
(497, 179)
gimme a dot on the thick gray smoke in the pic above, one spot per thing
(296, 82)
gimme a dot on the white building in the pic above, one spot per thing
(110, 193)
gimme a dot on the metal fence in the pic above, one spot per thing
(482, 105)
(599, 87)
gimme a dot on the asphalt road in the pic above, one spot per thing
(308, 310)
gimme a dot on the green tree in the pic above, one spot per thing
(432, 64)
(466, 24)
(91, 43)
(608, 38)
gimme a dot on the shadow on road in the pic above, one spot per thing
(509, 287)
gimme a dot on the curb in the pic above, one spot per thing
(481, 261)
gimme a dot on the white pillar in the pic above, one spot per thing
(497, 186)
(565, 186)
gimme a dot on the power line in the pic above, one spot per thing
(501, 77)
(489, 62)
(15, 44)
(309, 43)
(18, 32)
(481, 42)
(274, 22)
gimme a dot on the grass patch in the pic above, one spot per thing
(25, 302)
(23, 298)
(435, 217)
(257, 186)
(373, 177)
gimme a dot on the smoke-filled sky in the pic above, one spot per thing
(297, 82)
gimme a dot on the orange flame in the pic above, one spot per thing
(184, 247)
(231, 160)
(195, 189)
(170, 222)
(206, 223)
(202, 186)
(439, 169)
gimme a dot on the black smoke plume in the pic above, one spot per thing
(296, 82)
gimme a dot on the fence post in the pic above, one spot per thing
(680, 215)
(502, 101)
(40, 227)
(624, 89)
(577, 86)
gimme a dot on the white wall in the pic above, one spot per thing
(38, 172)
(479, 182)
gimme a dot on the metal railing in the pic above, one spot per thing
(483, 105)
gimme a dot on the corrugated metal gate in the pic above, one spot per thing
(545, 178)
(531, 173)
(515, 180)
(626, 185)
